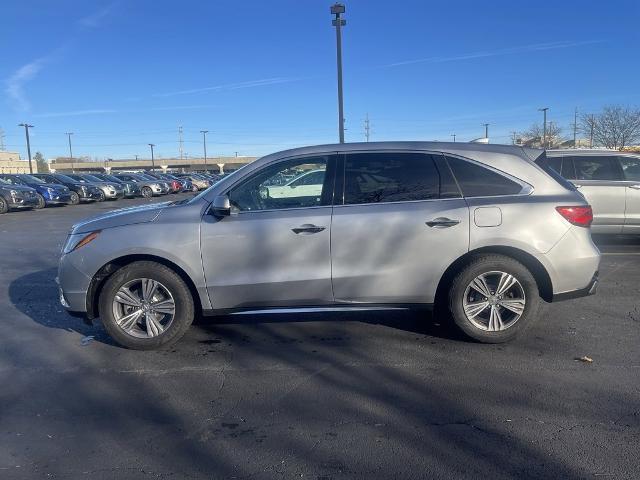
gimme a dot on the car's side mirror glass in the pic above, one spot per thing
(221, 207)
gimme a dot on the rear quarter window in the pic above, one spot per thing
(477, 181)
(549, 164)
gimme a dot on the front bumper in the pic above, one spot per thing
(58, 199)
(113, 194)
(23, 202)
(90, 196)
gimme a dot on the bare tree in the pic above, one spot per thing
(615, 127)
(534, 135)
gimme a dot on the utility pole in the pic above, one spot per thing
(486, 129)
(26, 132)
(68, 134)
(153, 163)
(591, 125)
(204, 144)
(1, 140)
(575, 127)
(544, 126)
(180, 142)
(454, 137)
(136, 157)
(513, 137)
(367, 128)
(337, 10)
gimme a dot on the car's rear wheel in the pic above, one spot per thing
(146, 305)
(41, 203)
(147, 192)
(493, 298)
(4, 206)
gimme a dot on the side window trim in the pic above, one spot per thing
(527, 189)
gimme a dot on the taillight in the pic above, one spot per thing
(578, 215)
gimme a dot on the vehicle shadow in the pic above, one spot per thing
(36, 295)
(421, 321)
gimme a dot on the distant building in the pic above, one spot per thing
(10, 162)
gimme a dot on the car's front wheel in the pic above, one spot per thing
(4, 206)
(147, 192)
(41, 202)
(101, 196)
(75, 198)
(493, 298)
(146, 305)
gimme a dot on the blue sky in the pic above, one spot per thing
(260, 76)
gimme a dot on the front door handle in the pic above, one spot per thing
(307, 229)
(442, 222)
(635, 187)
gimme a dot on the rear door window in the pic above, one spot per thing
(596, 167)
(630, 168)
(478, 181)
(379, 177)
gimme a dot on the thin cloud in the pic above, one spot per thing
(95, 19)
(16, 82)
(232, 86)
(75, 113)
(496, 53)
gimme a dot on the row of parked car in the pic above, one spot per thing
(39, 190)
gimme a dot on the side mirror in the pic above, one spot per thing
(221, 207)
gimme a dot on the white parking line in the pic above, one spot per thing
(619, 254)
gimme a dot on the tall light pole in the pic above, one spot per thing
(486, 129)
(454, 137)
(575, 127)
(26, 132)
(544, 126)
(68, 134)
(337, 10)
(153, 163)
(204, 145)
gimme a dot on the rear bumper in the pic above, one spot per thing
(582, 292)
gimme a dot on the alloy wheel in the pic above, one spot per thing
(144, 308)
(494, 301)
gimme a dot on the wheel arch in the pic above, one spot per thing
(539, 272)
(108, 269)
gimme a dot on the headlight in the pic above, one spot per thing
(51, 191)
(79, 240)
(14, 194)
(83, 189)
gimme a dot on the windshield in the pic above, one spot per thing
(31, 179)
(91, 178)
(65, 178)
(111, 178)
(78, 178)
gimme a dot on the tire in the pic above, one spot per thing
(147, 192)
(139, 337)
(194, 188)
(494, 323)
(4, 206)
(41, 202)
(75, 199)
(102, 197)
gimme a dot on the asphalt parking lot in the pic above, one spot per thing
(345, 395)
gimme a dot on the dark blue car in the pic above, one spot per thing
(47, 193)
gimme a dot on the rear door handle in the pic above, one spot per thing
(442, 222)
(307, 229)
(635, 187)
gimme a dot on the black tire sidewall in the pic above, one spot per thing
(4, 205)
(75, 198)
(486, 263)
(41, 202)
(172, 281)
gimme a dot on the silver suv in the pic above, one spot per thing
(609, 180)
(481, 230)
